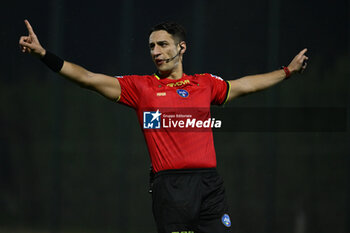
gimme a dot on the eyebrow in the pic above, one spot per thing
(159, 42)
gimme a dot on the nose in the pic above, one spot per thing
(156, 51)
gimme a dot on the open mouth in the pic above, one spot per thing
(159, 61)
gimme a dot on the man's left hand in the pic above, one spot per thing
(298, 64)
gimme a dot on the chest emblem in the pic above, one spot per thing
(183, 93)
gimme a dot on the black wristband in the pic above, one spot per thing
(52, 61)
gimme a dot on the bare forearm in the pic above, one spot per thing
(260, 82)
(254, 83)
(105, 85)
(69, 70)
(76, 73)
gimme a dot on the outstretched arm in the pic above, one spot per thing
(254, 83)
(105, 85)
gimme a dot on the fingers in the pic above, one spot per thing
(25, 41)
(25, 44)
(29, 43)
(298, 64)
(303, 63)
(29, 27)
(302, 52)
(303, 60)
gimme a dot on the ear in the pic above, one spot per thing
(183, 47)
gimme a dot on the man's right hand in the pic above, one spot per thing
(106, 85)
(30, 44)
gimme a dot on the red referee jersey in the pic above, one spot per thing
(165, 101)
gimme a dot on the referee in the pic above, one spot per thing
(173, 109)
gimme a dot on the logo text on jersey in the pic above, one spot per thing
(161, 93)
(179, 120)
(179, 83)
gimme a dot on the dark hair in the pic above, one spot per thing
(175, 29)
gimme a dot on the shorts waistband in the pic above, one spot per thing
(186, 171)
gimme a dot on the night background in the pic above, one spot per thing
(72, 161)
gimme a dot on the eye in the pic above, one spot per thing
(163, 44)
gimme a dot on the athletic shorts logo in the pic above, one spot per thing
(151, 120)
(226, 220)
(183, 93)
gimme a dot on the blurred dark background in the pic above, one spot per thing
(71, 161)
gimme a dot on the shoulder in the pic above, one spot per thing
(135, 78)
(207, 75)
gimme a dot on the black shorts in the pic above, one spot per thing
(190, 201)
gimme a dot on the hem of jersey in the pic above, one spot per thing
(228, 90)
(193, 170)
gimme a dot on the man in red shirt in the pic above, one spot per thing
(173, 109)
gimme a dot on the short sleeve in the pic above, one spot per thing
(220, 89)
(129, 92)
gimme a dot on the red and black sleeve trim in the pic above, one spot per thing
(228, 89)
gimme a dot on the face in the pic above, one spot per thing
(162, 46)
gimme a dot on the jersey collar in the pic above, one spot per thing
(167, 80)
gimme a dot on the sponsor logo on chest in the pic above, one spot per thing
(179, 120)
(179, 83)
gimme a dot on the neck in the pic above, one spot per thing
(174, 74)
